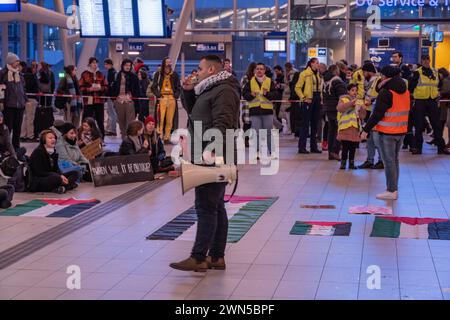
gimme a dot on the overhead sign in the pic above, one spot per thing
(10, 5)
(122, 18)
(322, 52)
(122, 169)
(136, 46)
(401, 3)
(210, 47)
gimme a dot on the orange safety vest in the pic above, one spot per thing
(395, 120)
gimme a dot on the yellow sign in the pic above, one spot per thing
(312, 52)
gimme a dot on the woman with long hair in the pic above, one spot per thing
(134, 142)
(88, 132)
(69, 86)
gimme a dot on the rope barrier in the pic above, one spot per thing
(149, 99)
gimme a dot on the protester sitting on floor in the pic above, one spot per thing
(45, 173)
(6, 192)
(159, 161)
(88, 132)
(134, 142)
(70, 156)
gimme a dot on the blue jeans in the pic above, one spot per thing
(212, 225)
(263, 122)
(389, 147)
(371, 148)
(111, 125)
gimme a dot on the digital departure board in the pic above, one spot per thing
(9, 5)
(123, 18)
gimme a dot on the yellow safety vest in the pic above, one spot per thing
(348, 118)
(358, 79)
(260, 100)
(372, 93)
(426, 88)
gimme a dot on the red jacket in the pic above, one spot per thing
(86, 81)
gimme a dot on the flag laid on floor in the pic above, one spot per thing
(321, 228)
(54, 208)
(413, 228)
(242, 212)
(375, 210)
(317, 206)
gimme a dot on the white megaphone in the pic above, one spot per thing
(194, 175)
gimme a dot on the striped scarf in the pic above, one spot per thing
(75, 103)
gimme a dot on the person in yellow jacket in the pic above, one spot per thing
(350, 112)
(424, 86)
(259, 92)
(308, 88)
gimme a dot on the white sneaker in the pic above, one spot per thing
(388, 195)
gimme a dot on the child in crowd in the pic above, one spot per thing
(350, 113)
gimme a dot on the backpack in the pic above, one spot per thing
(9, 166)
(18, 178)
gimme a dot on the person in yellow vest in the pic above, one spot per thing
(371, 96)
(308, 89)
(166, 87)
(424, 86)
(350, 112)
(389, 119)
(259, 92)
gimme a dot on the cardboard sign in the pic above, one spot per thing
(121, 169)
(93, 149)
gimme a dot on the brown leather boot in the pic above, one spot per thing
(190, 264)
(217, 264)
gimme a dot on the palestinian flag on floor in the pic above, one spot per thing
(413, 228)
(321, 228)
(54, 208)
(242, 212)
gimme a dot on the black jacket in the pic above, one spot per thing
(384, 101)
(272, 94)
(334, 87)
(127, 147)
(42, 164)
(217, 107)
(31, 82)
(15, 97)
(6, 147)
(131, 86)
(158, 82)
(111, 77)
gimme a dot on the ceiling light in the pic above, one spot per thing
(133, 53)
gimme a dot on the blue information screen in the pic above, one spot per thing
(9, 5)
(123, 18)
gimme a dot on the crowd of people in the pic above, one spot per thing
(29, 99)
(329, 106)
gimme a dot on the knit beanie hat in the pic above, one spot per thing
(390, 71)
(369, 67)
(149, 119)
(11, 58)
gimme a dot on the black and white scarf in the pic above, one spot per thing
(207, 83)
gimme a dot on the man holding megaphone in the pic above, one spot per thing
(213, 101)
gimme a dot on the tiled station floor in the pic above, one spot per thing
(117, 262)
